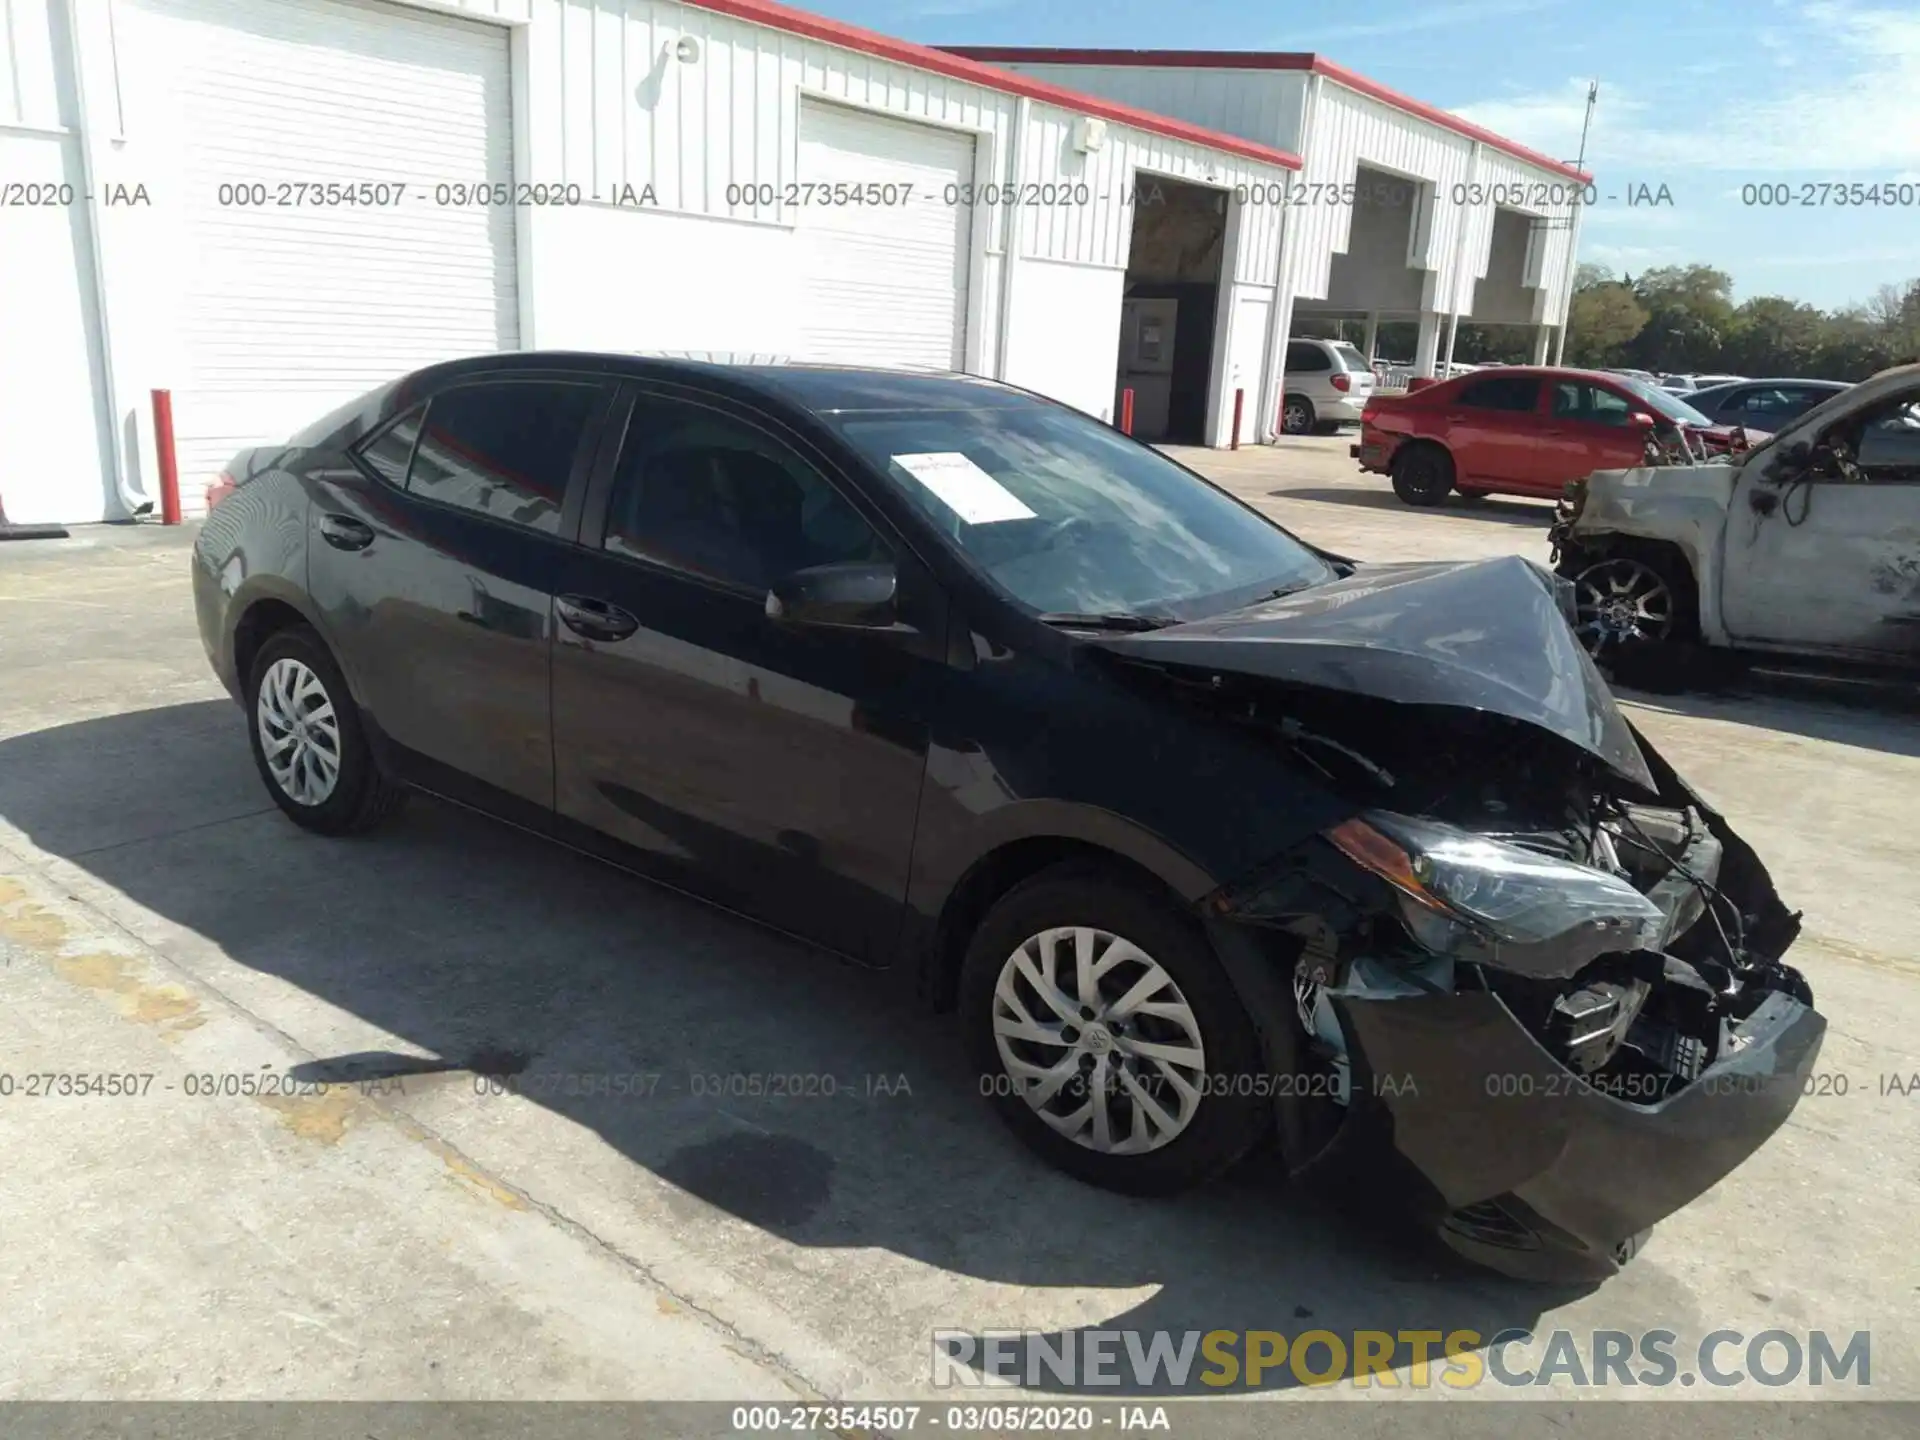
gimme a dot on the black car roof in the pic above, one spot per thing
(800, 386)
(816, 387)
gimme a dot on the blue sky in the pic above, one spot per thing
(1702, 96)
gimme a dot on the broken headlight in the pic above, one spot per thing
(1462, 894)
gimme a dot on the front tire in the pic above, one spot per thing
(1108, 1036)
(1423, 475)
(1634, 612)
(308, 740)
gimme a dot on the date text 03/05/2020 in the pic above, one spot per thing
(443, 194)
(1011, 1417)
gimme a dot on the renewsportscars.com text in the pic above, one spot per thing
(1157, 1360)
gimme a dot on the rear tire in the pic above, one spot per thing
(1207, 1108)
(1297, 416)
(308, 741)
(1423, 475)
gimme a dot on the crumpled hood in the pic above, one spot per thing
(1479, 635)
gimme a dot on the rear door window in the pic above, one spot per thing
(504, 448)
(1303, 358)
(1516, 393)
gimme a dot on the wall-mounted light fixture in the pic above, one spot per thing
(1089, 134)
(687, 51)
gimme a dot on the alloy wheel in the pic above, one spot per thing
(1099, 1040)
(299, 732)
(1622, 601)
(1296, 417)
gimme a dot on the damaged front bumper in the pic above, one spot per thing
(1539, 1109)
(1529, 1169)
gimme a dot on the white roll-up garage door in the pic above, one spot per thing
(292, 301)
(885, 282)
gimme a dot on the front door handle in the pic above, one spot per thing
(343, 532)
(594, 619)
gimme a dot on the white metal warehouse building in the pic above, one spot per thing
(1445, 221)
(269, 206)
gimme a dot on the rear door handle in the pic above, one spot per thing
(594, 619)
(343, 532)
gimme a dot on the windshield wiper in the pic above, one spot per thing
(1117, 620)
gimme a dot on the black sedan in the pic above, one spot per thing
(1207, 838)
(1764, 405)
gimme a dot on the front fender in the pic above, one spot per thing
(1681, 506)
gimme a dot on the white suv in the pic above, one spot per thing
(1328, 382)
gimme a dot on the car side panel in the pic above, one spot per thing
(1399, 420)
(1494, 449)
(1572, 448)
(251, 548)
(1026, 749)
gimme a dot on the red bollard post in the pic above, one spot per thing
(1239, 400)
(1126, 411)
(163, 452)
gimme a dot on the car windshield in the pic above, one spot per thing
(1665, 402)
(1067, 515)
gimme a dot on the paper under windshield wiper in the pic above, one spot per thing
(1117, 620)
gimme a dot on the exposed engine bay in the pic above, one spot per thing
(1532, 983)
(1638, 1024)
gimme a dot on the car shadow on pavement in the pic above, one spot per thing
(1840, 712)
(1505, 512)
(789, 1092)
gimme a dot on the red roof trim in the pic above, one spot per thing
(944, 62)
(1272, 60)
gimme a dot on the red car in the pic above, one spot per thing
(1527, 430)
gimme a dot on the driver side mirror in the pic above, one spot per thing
(855, 594)
(1641, 420)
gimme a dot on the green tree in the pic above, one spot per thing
(1775, 336)
(1689, 317)
(1603, 318)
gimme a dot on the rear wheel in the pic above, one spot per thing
(1297, 415)
(308, 742)
(1108, 1036)
(1422, 475)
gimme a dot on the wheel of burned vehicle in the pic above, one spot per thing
(1297, 416)
(1422, 475)
(1624, 604)
(1108, 1037)
(308, 741)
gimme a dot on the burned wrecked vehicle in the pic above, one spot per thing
(1806, 546)
(1203, 837)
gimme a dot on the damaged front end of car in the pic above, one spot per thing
(1533, 986)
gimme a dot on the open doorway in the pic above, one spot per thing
(1169, 308)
